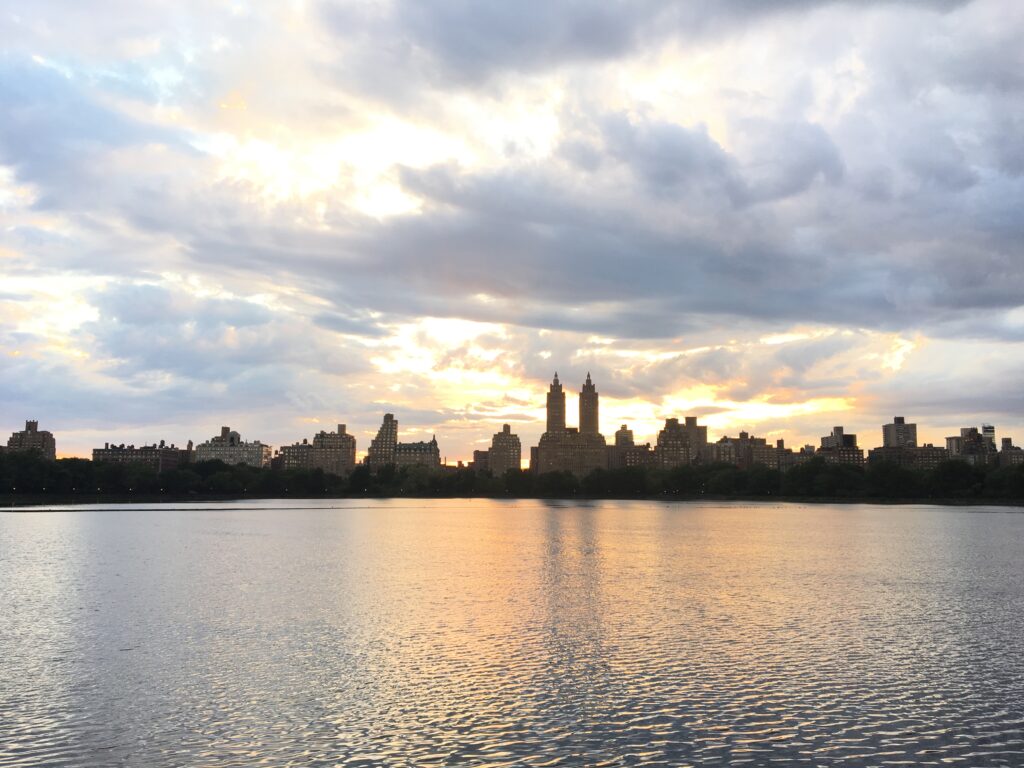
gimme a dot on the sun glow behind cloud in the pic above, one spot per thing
(723, 214)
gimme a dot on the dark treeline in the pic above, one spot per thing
(26, 475)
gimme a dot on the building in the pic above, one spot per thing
(920, 458)
(625, 453)
(424, 454)
(229, 448)
(841, 448)
(481, 461)
(382, 447)
(899, 434)
(624, 437)
(1009, 454)
(506, 452)
(31, 439)
(673, 446)
(696, 435)
(787, 458)
(988, 435)
(563, 449)
(973, 446)
(159, 456)
(745, 451)
(333, 452)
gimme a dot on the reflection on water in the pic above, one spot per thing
(512, 633)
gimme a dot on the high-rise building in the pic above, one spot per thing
(160, 456)
(988, 434)
(589, 418)
(899, 434)
(229, 448)
(31, 439)
(562, 449)
(333, 452)
(696, 436)
(382, 447)
(673, 446)
(623, 437)
(556, 406)
(506, 452)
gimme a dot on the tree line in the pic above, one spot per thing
(26, 475)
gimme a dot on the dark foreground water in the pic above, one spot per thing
(512, 633)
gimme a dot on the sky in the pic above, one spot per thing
(281, 216)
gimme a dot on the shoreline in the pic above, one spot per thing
(8, 503)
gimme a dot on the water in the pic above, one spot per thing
(463, 633)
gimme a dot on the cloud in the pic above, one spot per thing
(268, 209)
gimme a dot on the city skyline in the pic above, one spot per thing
(895, 433)
(774, 216)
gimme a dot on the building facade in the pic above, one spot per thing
(159, 456)
(1009, 454)
(973, 446)
(506, 452)
(424, 454)
(841, 448)
(673, 446)
(229, 447)
(899, 434)
(920, 458)
(382, 447)
(33, 440)
(333, 452)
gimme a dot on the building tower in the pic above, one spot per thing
(588, 409)
(556, 407)
(382, 447)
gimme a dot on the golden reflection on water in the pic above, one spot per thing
(512, 633)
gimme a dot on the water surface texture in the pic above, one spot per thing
(466, 633)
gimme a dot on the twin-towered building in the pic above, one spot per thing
(568, 449)
(582, 450)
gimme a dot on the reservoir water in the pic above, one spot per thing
(518, 633)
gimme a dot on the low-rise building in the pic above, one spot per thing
(33, 440)
(229, 448)
(159, 456)
(424, 454)
(919, 458)
(481, 461)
